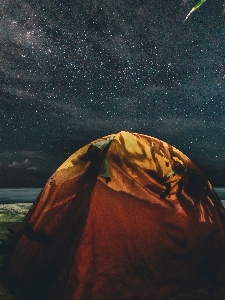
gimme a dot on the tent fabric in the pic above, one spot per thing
(125, 217)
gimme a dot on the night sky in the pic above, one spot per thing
(74, 71)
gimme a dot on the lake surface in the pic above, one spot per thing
(19, 195)
(28, 195)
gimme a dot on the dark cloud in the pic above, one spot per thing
(26, 164)
(22, 173)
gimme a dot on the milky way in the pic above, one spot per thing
(74, 71)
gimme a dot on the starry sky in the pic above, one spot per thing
(73, 71)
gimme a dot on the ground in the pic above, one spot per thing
(11, 216)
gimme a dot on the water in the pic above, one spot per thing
(28, 195)
(19, 195)
(220, 192)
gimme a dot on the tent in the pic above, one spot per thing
(125, 217)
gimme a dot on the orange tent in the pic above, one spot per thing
(125, 217)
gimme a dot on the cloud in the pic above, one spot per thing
(33, 168)
(174, 125)
(22, 174)
(78, 119)
(20, 93)
(20, 165)
(27, 160)
(34, 154)
(24, 155)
